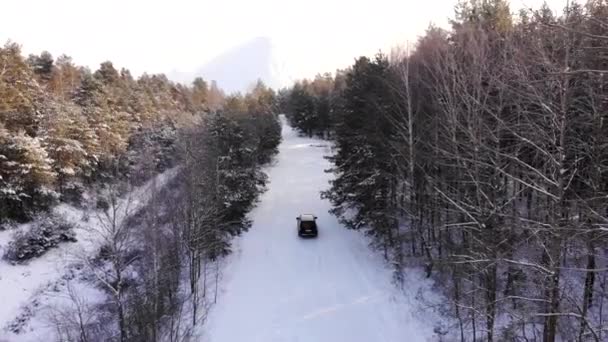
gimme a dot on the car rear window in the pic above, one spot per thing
(307, 225)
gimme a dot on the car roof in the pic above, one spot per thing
(307, 217)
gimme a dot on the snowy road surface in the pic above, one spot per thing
(278, 287)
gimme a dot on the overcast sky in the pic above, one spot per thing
(162, 36)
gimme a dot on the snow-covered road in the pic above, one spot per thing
(278, 287)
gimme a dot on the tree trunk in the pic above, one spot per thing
(122, 324)
(550, 330)
(457, 305)
(588, 294)
(490, 300)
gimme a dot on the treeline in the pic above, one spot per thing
(482, 153)
(66, 131)
(311, 104)
(64, 127)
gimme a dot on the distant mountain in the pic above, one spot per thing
(238, 68)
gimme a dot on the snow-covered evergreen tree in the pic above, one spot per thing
(26, 175)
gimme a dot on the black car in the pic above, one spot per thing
(307, 225)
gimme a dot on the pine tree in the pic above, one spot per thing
(363, 162)
(72, 146)
(65, 78)
(302, 109)
(26, 175)
(42, 65)
(216, 97)
(200, 94)
(18, 92)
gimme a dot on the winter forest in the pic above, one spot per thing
(477, 154)
(480, 154)
(89, 139)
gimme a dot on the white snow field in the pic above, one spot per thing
(279, 287)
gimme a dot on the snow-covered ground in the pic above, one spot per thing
(278, 287)
(30, 290)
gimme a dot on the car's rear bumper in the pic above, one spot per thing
(312, 233)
